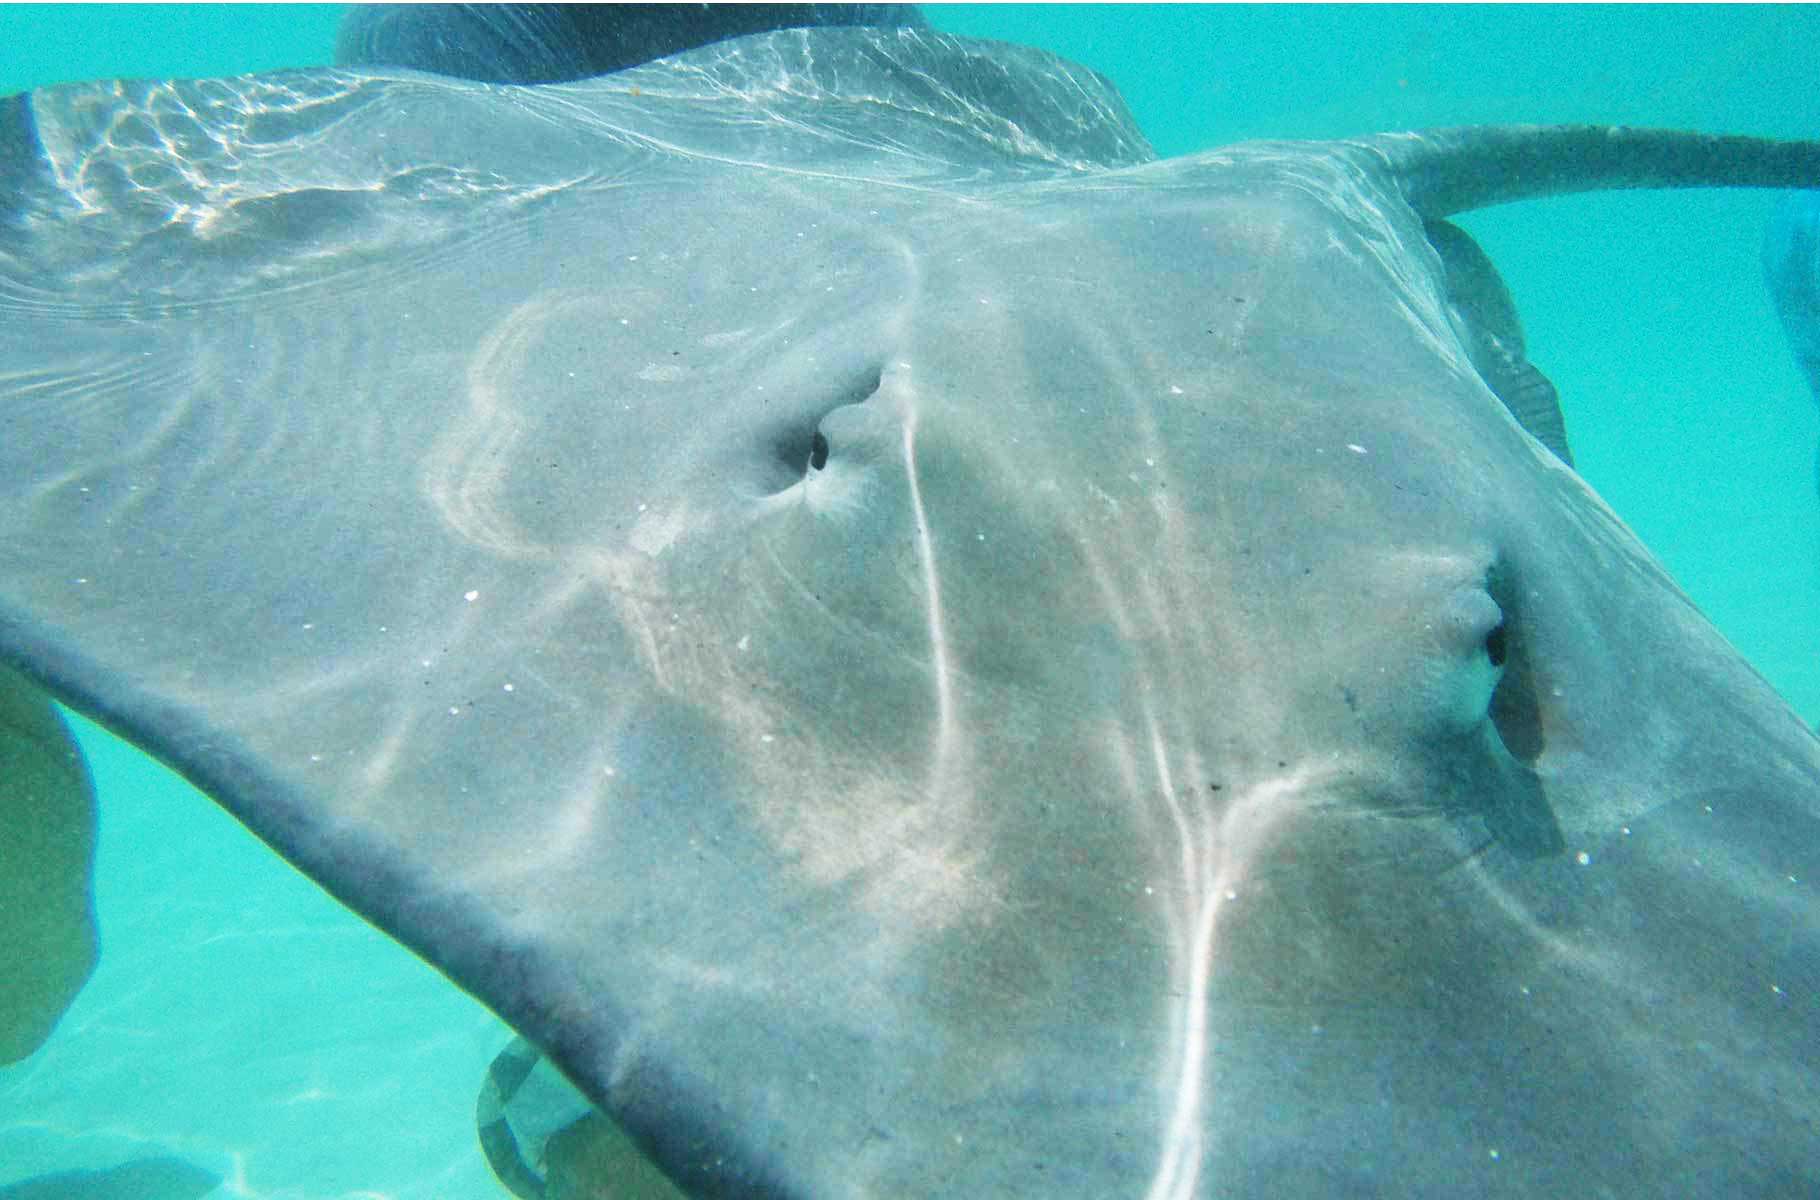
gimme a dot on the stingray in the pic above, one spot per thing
(1791, 268)
(908, 646)
(141, 1179)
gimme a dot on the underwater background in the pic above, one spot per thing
(221, 1025)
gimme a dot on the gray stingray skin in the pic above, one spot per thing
(916, 651)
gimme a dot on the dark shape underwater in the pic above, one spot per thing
(555, 43)
(141, 1179)
(544, 1141)
(910, 647)
(47, 852)
(1791, 265)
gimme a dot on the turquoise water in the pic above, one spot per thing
(222, 1025)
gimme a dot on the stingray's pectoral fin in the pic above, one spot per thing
(47, 845)
(1486, 315)
(1532, 399)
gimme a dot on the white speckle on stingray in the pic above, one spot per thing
(653, 532)
(453, 711)
(1175, 391)
(309, 625)
(744, 643)
(766, 738)
(609, 772)
(315, 758)
(1583, 858)
(470, 596)
(506, 687)
(1355, 447)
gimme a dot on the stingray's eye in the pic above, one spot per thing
(818, 451)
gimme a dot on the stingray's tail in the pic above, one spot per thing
(1445, 171)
